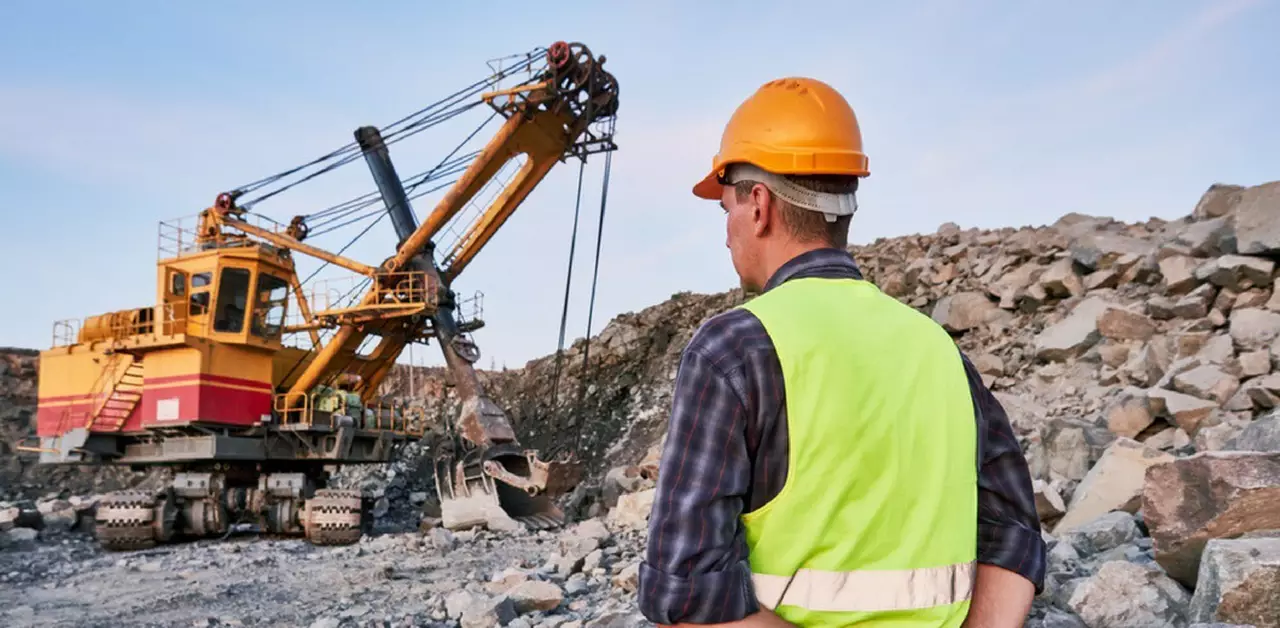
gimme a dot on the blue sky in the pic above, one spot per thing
(114, 116)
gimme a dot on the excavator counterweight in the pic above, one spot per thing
(252, 407)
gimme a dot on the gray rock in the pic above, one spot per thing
(1207, 382)
(1262, 434)
(1049, 504)
(22, 538)
(1060, 280)
(1217, 437)
(1129, 412)
(1217, 201)
(1073, 335)
(1209, 238)
(1254, 328)
(489, 612)
(1236, 272)
(1259, 392)
(1181, 409)
(1179, 274)
(1099, 251)
(458, 602)
(535, 595)
(577, 583)
(619, 619)
(965, 311)
(1064, 558)
(1072, 447)
(1114, 483)
(1257, 230)
(1239, 582)
(1125, 595)
(1254, 363)
(1056, 618)
(1196, 304)
(1107, 532)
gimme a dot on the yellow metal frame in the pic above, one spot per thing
(396, 418)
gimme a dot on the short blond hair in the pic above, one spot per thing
(804, 224)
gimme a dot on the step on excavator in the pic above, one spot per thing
(252, 404)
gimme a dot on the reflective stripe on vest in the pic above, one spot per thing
(881, 488)
(864, 591)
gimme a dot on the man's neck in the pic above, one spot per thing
(778, 256)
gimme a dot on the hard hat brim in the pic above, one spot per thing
(709, 187)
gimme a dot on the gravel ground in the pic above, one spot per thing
(583, 576)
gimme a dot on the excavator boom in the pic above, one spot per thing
(483, 474)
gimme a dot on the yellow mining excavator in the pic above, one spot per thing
(251, 404)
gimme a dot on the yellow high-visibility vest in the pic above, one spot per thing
(876, 522)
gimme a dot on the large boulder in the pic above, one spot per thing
(1216, 494)
(1239, 582)
(1114, 483)
(1257, 229)
(1126, 595)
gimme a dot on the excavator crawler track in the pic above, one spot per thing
(332, 517)
(126, 520)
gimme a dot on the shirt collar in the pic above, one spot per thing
(829, 262)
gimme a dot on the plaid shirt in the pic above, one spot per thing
(726, 454)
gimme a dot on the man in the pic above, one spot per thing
(831, 457)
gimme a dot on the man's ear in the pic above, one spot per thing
(763, 209)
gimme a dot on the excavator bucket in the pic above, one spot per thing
(503, 489)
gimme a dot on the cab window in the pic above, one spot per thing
(269, 307)
(200, 293)
(233, 292)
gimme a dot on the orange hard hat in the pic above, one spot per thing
(790, 126)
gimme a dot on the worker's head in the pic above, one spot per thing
(786, 175)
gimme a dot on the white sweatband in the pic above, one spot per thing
(830, 204)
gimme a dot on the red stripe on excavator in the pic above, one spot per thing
(156, 381)
(206, 377)
(206, 402)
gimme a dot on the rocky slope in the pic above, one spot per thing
(1139, 364)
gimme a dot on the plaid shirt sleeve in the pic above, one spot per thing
(696, 566)
(715, 462)
(1008, 525)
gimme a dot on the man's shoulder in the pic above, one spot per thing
(728, 339)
